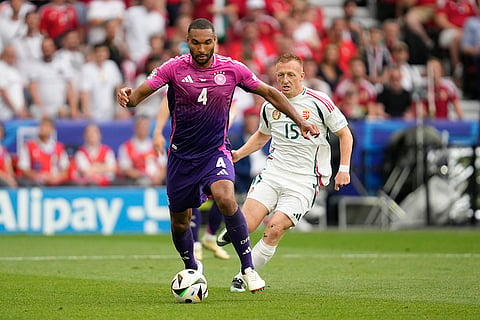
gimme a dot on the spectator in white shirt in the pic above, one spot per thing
(100, 80)
(12, 100)
(51, 85)
(141, 22)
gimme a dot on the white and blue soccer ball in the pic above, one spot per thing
(189, 286)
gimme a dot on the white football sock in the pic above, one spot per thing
(209, 237)
(262, 253)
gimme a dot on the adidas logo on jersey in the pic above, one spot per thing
(222, 172)
(187, 79)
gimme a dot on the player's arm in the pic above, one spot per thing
(254, 143)
(346, 144)
(162, 117)
(458, 108)
(280, 102)
(129, 98)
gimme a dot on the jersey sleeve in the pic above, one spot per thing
(333, 118)
(248, 80)
(264, 126)
(162, 75)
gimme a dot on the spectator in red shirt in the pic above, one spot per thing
(95, 162)
(138, 162)
(57, 17)
(268, 27)
(442, 94)
(346, 47)
(223, 16)
(43, 161)
(357, 82)
(450, 17)
(263, 52)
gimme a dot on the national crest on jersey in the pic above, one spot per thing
(276, 114)
(306, 114)
(219, 78)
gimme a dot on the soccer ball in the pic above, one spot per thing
(189, 286)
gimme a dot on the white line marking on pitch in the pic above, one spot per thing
(287, 256)
(106, 257)
(386, 255)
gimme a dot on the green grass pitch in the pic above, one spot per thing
(418, 274)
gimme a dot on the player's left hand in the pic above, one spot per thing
(158, 142)
(235, 156)
(311, 128)
(341, 180)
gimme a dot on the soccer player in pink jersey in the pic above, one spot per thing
(200, 91)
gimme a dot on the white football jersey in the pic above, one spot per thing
(290, 152)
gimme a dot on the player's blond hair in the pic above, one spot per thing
(287, 57)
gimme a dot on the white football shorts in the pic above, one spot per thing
(291, 194)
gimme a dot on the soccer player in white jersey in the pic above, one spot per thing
(296, 168)
(200, 92)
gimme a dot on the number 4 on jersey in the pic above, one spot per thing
(203, 96)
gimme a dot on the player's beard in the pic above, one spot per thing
(203, 62)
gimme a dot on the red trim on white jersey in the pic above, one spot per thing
(326, 102)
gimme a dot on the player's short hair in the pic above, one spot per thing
(201, 23)
(287, 57)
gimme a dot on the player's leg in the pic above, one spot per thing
(290, 209)
(182, 237)
(253, 210)
(265, 248)
(223, 193)
(215, 219)
(209, 239)
(195, 225)
(180, 203)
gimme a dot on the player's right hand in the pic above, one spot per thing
(311, 128)
(158, 142)
(123, 96)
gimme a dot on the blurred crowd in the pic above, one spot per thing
(67, 59)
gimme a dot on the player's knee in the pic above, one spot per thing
(273, 233)
(227, 205)
(180, 226)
